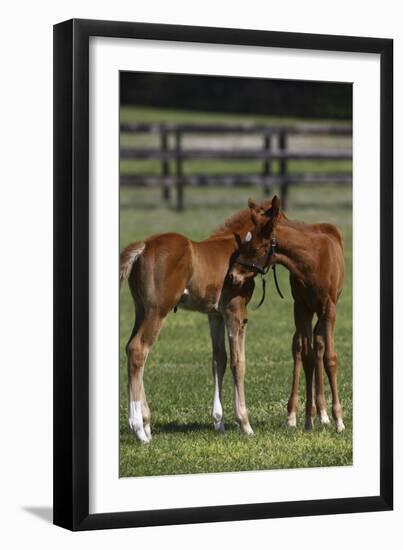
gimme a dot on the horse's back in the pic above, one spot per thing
(172, 241)
(331, 245)
(327, 245)
(330, 230)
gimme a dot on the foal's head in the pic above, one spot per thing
(254, 255)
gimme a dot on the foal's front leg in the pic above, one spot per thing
(236, 319)
(217, 332)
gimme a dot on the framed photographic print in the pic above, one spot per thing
(223, 300)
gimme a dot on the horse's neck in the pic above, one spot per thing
(294, 250)
(228, 245)
(218, 248)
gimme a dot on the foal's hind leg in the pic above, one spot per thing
(145, 410)
(217, 332)
(137, 352)
(302, 354)
(319, 353)
(292, 406)
(330, 360)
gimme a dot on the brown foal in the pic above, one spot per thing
(170, 271)
(314, 256)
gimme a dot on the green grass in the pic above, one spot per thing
(178, 378)
(133, 113)
(153, 168)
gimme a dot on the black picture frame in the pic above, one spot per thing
(71, 274)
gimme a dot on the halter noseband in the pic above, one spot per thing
(258, 268)
(264, 270)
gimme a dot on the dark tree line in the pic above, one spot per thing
(238, 95)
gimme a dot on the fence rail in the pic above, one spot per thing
(172, 154)
(316, 129)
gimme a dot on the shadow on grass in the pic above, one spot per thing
(260, 426)
(173, 427)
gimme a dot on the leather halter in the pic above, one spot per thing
(264, 270)
(258, 268)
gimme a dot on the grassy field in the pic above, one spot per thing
(178, 377)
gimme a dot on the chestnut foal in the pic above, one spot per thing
(314, 256)
(170, 271)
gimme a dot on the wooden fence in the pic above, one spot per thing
(172, 155)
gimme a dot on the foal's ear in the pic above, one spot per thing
(254, 210)
(273, 215)
(252, 203)
(275, 204)
(274, 210)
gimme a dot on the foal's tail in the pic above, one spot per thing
(127, 258)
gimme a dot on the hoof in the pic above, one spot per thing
(247, 430)
(147, 430)
(219, 427)
(340, 427)
(324, 418)
(292, 420)
(141, 436)
(139, 433)
(309, 424)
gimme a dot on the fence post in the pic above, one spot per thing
(179, 175)
(166, 191)
(282, 144)
(266, 165)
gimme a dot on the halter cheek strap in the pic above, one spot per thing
(264, 288)
(273, 245)
(276, 282)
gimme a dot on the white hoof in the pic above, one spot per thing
(340, 427)
(141, 436)
(219, 427)
(292, 420)
(217, 416)
(147, 430)
(324, 418)
(247, 430)
(136, 421)
(139, 433)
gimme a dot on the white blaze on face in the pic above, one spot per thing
(248, 237)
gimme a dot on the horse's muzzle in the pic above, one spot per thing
(235, 279)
